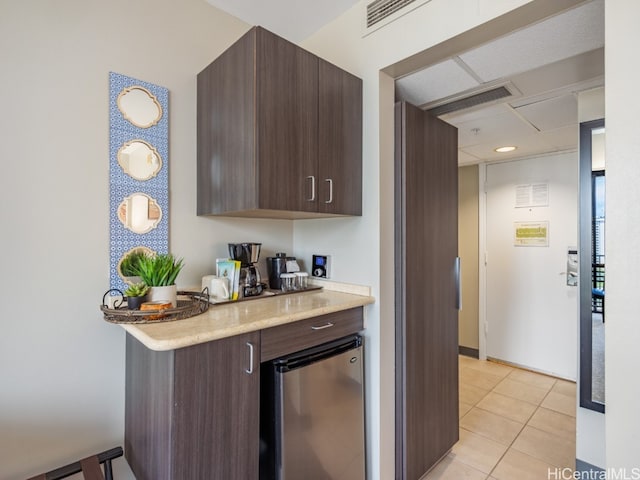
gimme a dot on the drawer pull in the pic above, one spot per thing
(322, 327)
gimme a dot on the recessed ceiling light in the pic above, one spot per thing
(505, 149)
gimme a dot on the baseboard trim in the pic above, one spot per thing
(582, 466)
(468, 351)
(530, 369)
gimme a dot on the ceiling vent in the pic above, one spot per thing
(382, 12)
(471, 101)
(381, 9)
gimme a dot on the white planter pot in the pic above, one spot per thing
(164, 294)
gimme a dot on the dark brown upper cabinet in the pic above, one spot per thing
(279, 133)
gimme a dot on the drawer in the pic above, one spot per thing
(296, 336)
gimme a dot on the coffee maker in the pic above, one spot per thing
(247, 254)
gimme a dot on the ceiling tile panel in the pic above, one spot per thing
(493, 130)
(565, 138)
(551, 114)
(527, 146)
(576, 31)
(569, 75)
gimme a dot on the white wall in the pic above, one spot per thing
(61, 365)
(623, 230)
(531, 312)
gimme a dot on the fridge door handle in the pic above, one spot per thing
(250, 369)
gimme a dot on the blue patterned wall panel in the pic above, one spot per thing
(122, 185)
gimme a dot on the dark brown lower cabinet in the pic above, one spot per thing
(426, 290)
(193, 413)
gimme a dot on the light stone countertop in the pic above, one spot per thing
(234, 318)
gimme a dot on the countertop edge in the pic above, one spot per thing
(217, 334)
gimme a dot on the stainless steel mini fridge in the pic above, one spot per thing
(312, 414)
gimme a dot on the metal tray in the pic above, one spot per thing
(190, 304)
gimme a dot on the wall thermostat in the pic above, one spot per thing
(321, 266)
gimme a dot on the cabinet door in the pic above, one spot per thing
(217, 409)
(287, 123)
(426, 313)
(148, 406)
(339, 141)
(227, 174)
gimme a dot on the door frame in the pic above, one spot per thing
(585, 371)
(482, 261)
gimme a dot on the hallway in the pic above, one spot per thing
(513, 424)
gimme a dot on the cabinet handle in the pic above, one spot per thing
(322, 327)
(250, 369)
(313, 188)
(330, 190)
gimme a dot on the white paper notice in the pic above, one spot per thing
(532, 195)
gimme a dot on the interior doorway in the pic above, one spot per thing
(468, 238)
(598, 281)
(480, 125)
(593, 261)
(496, 97)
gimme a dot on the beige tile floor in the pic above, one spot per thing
(514, 424)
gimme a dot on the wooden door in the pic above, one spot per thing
(426, 290)
(339, 141)
(217, 410)
(286, 124)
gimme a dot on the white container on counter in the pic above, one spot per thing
(288, 282)
(302, 280)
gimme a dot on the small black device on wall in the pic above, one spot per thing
(321, 266)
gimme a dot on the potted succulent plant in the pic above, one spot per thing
(136, 295)
(159, 272)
